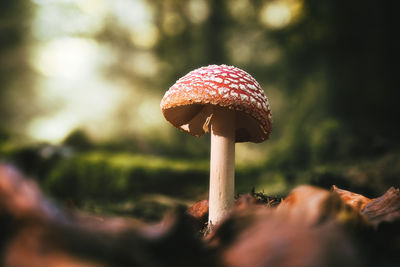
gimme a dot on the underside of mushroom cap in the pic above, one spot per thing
(189, 103)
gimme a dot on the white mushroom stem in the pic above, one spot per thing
(222, 164)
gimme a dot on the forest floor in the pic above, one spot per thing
(311, 226)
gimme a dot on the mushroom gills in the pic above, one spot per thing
(248, 128)
(195, 119)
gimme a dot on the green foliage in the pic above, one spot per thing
(118, 177)
(4, 136)
(105, 176)
(79, 140)
(326, 144)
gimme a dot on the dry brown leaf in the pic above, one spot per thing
(385, 208)
(354, 200)
(312, 205)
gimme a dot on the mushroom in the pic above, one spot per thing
(230, 104)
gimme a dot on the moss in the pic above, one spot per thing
(117, 176)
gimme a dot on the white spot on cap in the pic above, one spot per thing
(264, 107)
(218, 80)
(251, 86)
(227, 82)
(248, 78)
(242, 86)
(234, 94)
(244, 97)
(234, 85)
(233, 75)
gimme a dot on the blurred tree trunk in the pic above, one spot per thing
(15, 74)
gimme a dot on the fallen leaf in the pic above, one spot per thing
(354, 200)
(384, 209)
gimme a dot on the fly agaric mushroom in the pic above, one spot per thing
(230, 104)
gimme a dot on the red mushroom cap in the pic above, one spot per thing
(187, 104)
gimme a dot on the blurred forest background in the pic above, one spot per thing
(81, 82)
